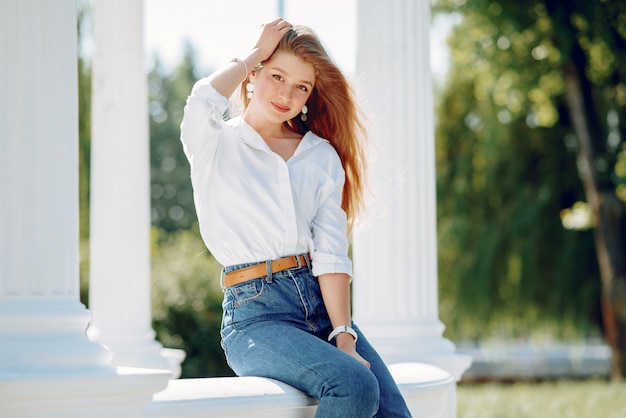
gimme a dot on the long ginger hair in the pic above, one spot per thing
(333, 114)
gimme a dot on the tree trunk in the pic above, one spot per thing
(608, 211)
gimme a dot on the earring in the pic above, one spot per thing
(305, 110)
(250, 90)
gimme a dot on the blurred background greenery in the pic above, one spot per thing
(517, 235)
(531, 171)
(549, 399)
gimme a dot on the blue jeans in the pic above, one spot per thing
(277, 327)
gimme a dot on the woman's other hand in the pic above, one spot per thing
(345, 342)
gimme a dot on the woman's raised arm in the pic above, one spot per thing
(227, 79)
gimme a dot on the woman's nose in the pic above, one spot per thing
(286, 93)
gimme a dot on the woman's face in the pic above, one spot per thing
(282, 86)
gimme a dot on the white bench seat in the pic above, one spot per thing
(429, 391)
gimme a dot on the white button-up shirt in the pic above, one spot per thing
(253, 205)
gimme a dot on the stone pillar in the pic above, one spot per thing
(39, 286)
(48, 366)
(120, 191)
(395, 254)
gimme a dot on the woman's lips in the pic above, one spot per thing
(280, 108)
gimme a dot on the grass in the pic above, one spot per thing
(552, 399)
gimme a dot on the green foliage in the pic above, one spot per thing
(84, 152)
(84, 143)
(172, 196)
(186, 293)
(506, 167)
(186, 301)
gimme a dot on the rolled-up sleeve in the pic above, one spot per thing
(330, 239)
(202, 122)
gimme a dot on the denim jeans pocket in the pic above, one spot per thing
(236, 298)
(246, 292)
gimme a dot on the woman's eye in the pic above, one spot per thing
(303, 88)
(277, 77)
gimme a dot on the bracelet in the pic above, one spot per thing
(343, 328)
(244, 65)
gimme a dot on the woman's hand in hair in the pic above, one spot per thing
(270, 36)
(228, 78)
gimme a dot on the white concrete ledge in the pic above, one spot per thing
(230, 397)
(429, 391)
(96, 393)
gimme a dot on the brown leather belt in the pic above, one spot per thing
(259, 270)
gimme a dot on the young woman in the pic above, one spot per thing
(276, 192)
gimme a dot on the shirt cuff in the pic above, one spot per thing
(204, 90)
(330, 264)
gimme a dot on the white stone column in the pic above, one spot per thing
(395, 255)
(39, 286)
(120, 191)
(48, 366)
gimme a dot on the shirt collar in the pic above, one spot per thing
(252, 138)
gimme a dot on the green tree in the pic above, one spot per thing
(186, 297)
(187, 301)
(84, 149)
(529, 133)
(172, 196)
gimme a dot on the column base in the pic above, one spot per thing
(138, 349)
(43, 336)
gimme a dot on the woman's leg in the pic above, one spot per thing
(277, 328)
(283, 352)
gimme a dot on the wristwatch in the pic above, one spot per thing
(343, 328)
